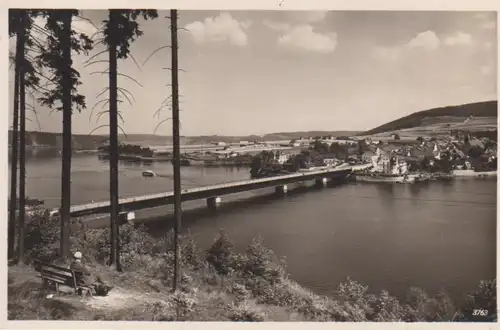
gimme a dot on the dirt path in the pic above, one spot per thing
(120, 298)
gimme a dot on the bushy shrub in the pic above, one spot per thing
(183, 303)
(420, 307)
(162, 311)
(280, 295)
(210, 276)
(191, 256)
(483, 298)
(240, 292)
(259, 261)
(385, 308)
(243, 312)
(316, 308)
(220, 254)
(137, 247)
(42, 236)
(352, 291)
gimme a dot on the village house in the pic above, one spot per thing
(281, 157)
(344, 141)
(368, 155)
(381, 160)
(330, 161)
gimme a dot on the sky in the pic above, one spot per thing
(258, 72)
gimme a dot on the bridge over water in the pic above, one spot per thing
(213, 193)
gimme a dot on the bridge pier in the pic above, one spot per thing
(126, 217)
(321, 182)
(281, 190)
(213, 202)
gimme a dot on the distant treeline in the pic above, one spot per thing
(480, 109)
(271, 137)
(85, 141)
(54, 140)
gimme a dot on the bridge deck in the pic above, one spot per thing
(153, 200)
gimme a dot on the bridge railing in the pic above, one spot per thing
(236, 186)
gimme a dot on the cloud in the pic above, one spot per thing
(486, 70)
(427, 40)
(489, 25)
(307, 16)
(277, 26)
(459, 38)
(220, 28)
(488, 20)
(387, 53)
(304, 37)
(488, 45)
(481, 16)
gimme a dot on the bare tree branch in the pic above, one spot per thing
(102, 92)
(171, 69)
(121, 129)
(101, 113)
(106, 101)
(95, 62)
(118, 74)
(157, 112)
(135, 61)
(98, 127)
(159, 124)
(95, 55)
(122, 91)
(154, 52)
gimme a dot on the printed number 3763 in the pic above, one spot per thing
(480, 312)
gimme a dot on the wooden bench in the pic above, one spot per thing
(53, 275)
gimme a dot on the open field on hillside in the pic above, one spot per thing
(432, 126)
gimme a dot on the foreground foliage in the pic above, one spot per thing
(219, 284)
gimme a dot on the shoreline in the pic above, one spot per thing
(219, 284)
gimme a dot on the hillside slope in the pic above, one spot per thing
(480, 109)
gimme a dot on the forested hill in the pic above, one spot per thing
(479, 109)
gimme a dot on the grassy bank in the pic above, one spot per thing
(216, 285)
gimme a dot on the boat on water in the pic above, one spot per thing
(195, 161)
(439, 176)
(148, 173)
(385, 178)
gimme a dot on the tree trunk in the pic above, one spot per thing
(113, 135)
(13, 204)
(20, 58)
(67, 138)
(176, 151)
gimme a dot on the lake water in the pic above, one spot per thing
(436, 235)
